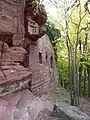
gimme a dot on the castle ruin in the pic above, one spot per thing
(26, 54)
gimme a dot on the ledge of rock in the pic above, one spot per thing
(14, 53)
(18, 54)
(68, 112)
(39, 15)
(22, 105)
(13, 77)
(46, 115)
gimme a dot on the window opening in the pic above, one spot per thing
(40, 57)
(46, 58)
(51, 61)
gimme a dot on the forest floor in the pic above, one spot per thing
(60, 95)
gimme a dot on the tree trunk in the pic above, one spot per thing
(85, 59)
(80, 79)
(80, 70)
(77, 79)
(88, 71)
(84, 85)
(75, 83)
(69, 76)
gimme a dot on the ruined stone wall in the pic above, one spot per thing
(43, 74)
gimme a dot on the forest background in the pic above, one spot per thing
(68, 27)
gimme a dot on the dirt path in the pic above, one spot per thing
(60, 95)
(85, 105)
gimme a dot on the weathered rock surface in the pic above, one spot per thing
(4, 52)
(46, 115)
(18, 54)
(13, 77)
(21, 106)
(20, 26)
(39, 15)
(68, 112)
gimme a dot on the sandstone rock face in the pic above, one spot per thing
(41, 15)
(13, 76)
(15, 54)
(15, 21)
(44, 72)
(18, 54)
(21, 106)
(4, 47)
(36, 12)
(4, 52)
(12, 18)
(8, 16)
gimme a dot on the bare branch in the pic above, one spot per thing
(73, 22)
(75, 4)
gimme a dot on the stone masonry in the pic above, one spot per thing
(43, 71)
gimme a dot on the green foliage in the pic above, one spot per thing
(54, 35)
(35, 6)
(77, 32)
(52, 32)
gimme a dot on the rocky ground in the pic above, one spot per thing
(23, 105)
(60, 95)
(85, 105)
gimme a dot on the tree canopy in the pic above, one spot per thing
(68, 28)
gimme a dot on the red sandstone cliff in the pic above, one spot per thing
(24, 47)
